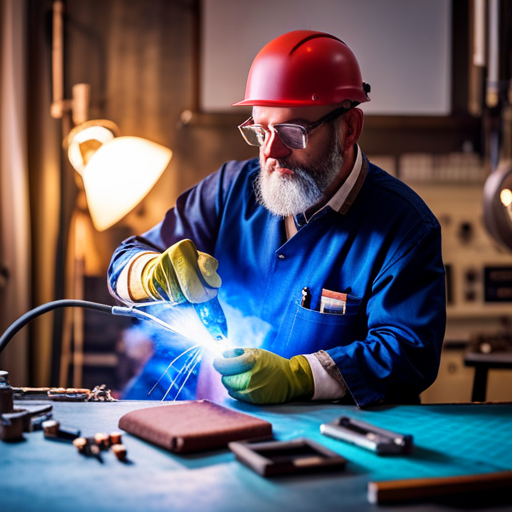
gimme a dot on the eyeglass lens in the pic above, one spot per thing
(292, 136)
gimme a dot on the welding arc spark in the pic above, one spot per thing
(188, 368)
(198, 360)
(184, 368)
(170, 366)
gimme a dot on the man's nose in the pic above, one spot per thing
(274, 148)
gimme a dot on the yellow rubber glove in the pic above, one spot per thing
(260, 377)
(182, 273)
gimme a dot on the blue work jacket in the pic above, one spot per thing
(384, 252)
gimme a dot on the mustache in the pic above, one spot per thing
(285, 163)
(288, 163)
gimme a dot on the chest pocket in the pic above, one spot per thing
(304, 331)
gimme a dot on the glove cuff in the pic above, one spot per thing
(146, 279)
(303, 376)
(130, 286)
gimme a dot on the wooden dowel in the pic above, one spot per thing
(414, 488)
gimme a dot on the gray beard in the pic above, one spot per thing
(285, 194)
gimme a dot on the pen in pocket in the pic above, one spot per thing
(306, 298)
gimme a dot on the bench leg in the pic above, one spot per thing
(479, 384)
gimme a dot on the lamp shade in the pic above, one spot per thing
(119, 175)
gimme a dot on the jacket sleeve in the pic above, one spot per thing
(406, 316)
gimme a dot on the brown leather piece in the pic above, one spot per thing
(193, 426)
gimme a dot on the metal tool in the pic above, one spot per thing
(6, 393)
(55, 394)
(213, 318)
(14, 423)
(98, 394)
(368, 436)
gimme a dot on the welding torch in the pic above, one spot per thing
(212, 316)
(210, 313)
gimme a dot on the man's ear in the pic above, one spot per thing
(352, 127)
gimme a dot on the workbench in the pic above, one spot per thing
(40, 474)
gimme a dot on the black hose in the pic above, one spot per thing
(45, 308)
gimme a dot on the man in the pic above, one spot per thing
(340, 260)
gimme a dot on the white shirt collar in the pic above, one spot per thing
(338, 199)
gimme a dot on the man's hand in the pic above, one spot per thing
(180, 274)
(261, 377)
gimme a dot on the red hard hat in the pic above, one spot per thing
(304, 68)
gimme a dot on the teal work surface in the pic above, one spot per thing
(39, 474)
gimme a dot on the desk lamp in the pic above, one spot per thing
(117, 172)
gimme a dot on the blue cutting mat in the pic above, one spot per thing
(448, 440)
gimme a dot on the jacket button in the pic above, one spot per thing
(281, 256)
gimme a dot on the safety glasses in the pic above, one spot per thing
(293, 136)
